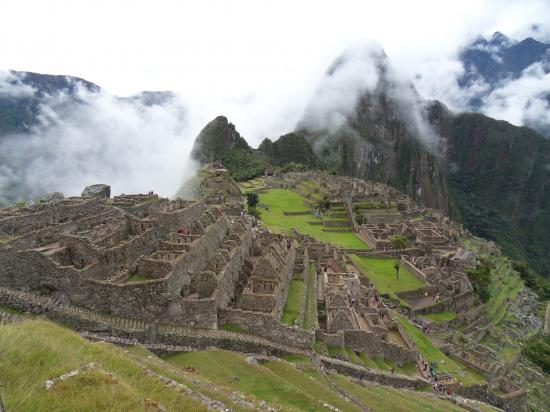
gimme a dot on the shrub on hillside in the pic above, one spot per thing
(243, 165)
(538, 350)
(480, 278)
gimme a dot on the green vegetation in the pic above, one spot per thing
(243, 165)
(294, 167)
(381, 273)
(382, 364)
(338, 352)
(538, 350)
(230, 327)
(291, 310)
(7, 309)
(503, 289)
(280, 200)
(310, 307)
(441, 316)
(495, 190)
(381, 398)
(291, 147)
(480, 278)
(540, 285)
(252, 199)
(432, 354)
(278, 383)
(36, 350)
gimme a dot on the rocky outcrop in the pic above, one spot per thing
(98, 190)
(52, 197)
(216, 140)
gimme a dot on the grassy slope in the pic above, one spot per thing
(381, 273)
(36, 350)
(310, 309)
(441, 316)
(291, 310)
(430, 352)
(280, 200)
(384, 398)
(291, 389)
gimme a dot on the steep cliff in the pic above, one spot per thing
(490, 175)
(379, 131)
(498, 177)
(216, 140)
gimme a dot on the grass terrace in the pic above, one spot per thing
(441, 316)
(432, 353)
(291, 310)
(37, 350)
(280, 200)
(381, 273)
(310, 307)
(382, 398)
(504, 287)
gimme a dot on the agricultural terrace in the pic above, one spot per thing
(285, 200)
(432, 353)
(296, 389)
(381, 273)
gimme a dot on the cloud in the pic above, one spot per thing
(523, 100)
(128, 143)
(354, 73)
(12, 86)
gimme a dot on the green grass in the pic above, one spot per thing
(7, 309)
(310, 307)
(280, 200)
(37, 350)
(362, 359)
(433, 354)
(337, 352)
(504, 287)
(230, 327)
(275, 382)
(383, 398)
(441, 316)
(291, 310)
(381, 273)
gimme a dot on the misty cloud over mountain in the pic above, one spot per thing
(500, 77)
(61, 133)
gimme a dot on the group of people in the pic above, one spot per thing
(185, 230)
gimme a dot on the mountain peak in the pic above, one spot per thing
(216, 140)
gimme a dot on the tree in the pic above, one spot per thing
(323, 204)
(398, 242)
(252, 199)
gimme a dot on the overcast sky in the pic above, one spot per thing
(256, 61)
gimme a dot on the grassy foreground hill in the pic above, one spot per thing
(133, 379)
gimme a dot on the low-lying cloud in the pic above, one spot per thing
(95, 137)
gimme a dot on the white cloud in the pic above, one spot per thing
(131, 146)
(12, 86)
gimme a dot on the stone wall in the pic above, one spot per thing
(383, 378)
(265, 326)
(335, 340)
(373, 346)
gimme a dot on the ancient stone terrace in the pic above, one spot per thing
(448, 287)
(267, 287)
(355, 319)
(419, 233)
